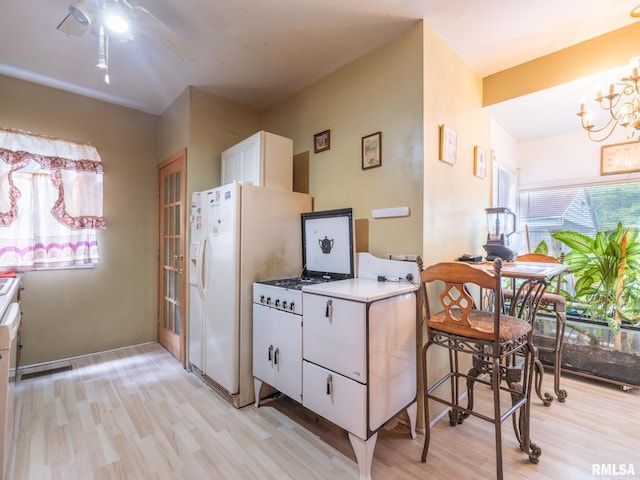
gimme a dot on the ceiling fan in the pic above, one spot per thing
(112, 20)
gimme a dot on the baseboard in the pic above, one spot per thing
(63, 362)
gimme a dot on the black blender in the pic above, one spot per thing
(501, 223)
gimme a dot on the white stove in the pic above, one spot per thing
(353, 358)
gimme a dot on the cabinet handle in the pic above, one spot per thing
(329, 385)
(270, 357)
(329, 311)
(275, 356)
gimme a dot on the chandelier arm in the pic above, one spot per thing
(591, 128)
(623, 107)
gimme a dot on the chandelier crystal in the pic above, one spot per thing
(622, 104)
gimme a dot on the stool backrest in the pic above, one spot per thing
(455, 299)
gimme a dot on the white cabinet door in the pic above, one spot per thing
(335, 335)
(336, 398)
(277, 350)
(252, 163)
(288, 354)
(263, 347)
(243, 161)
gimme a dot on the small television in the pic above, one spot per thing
(328, 244)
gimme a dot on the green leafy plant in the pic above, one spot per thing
(542, 248)
(607, 269)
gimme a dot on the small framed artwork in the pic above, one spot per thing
(322, 141)
(448, 145)
(620, 158)
(479, 162)
(372, 150)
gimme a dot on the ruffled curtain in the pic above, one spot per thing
(50, 202)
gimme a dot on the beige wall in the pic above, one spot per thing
(205, 125)
(173, 127)
(381, 91)
(454, 199)
(215, 124)
(74, 312)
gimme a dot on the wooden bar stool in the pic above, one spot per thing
(492, 338)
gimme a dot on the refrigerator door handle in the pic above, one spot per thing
(200, 266)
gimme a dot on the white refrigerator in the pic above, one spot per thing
(240, 234)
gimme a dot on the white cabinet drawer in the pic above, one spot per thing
(334, 335)
(345, 402)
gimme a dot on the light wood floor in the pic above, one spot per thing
(136, 414)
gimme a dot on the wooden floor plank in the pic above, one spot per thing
(135, 413)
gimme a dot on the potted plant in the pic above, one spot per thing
(607, 290)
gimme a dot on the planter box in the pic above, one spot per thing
(588, 350)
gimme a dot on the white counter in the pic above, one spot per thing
(10, 294)
(360, 289)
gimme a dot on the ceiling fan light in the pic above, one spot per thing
(635, 12)
(81, 12)
(114, 17)
(116, 24)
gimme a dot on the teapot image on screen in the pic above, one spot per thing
(326, 244)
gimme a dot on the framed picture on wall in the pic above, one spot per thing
(448, 145)
(322, 141)
(620, 158)
(372, 150)
(479, 162)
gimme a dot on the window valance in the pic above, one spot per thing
(76, 173)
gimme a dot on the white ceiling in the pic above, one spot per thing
(258, 52)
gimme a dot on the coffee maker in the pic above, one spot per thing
(501, 223)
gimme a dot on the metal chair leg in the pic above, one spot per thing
(561, 321)
(495, 385)
(425, 388)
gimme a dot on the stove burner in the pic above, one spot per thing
(295, 283)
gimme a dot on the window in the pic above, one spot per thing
(50, 202)
(585, 209)
(505, 188)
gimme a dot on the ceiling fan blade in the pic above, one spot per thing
(164, 34)
(71, 26)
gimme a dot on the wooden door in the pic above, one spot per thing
(172, 256)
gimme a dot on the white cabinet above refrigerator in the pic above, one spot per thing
(264, 159)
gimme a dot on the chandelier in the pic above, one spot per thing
(621, 104)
